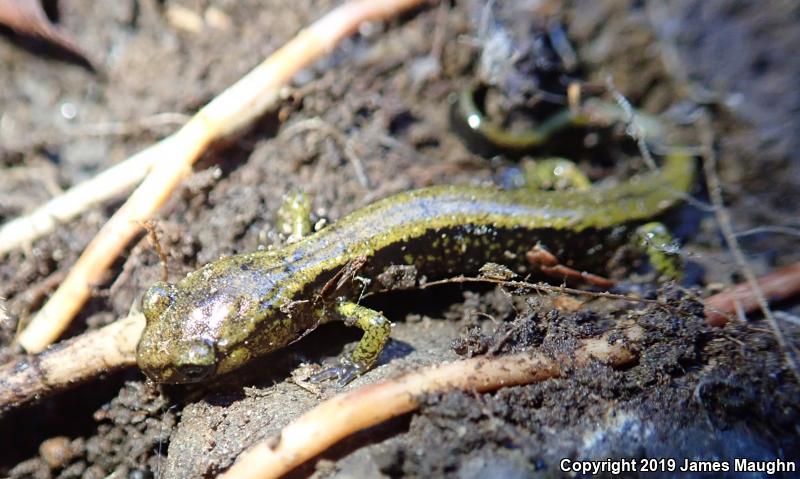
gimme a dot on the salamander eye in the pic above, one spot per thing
(157, 299)
(198, 361)
(194, 373)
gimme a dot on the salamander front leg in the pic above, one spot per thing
(555, 174)
(662, 250)
(376, 333)
(294, 216)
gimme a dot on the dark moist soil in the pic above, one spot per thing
(695, 392)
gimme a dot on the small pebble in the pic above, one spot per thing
(57, 451)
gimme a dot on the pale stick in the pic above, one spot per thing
(353, 411)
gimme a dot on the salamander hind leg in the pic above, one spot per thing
(376, 333)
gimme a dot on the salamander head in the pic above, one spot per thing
(204, 324)
(170, 350)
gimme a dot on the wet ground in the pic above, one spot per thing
(696, 392)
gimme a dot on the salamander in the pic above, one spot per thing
(232, 310)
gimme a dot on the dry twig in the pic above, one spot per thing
(26, 17)
(542, 287)
(345, 414)
(634, 129)
(70, 362)
(726, 227)
(227, 114)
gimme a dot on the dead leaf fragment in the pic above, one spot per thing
(27, 18)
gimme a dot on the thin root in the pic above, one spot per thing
(345, 414)
(74, 361)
